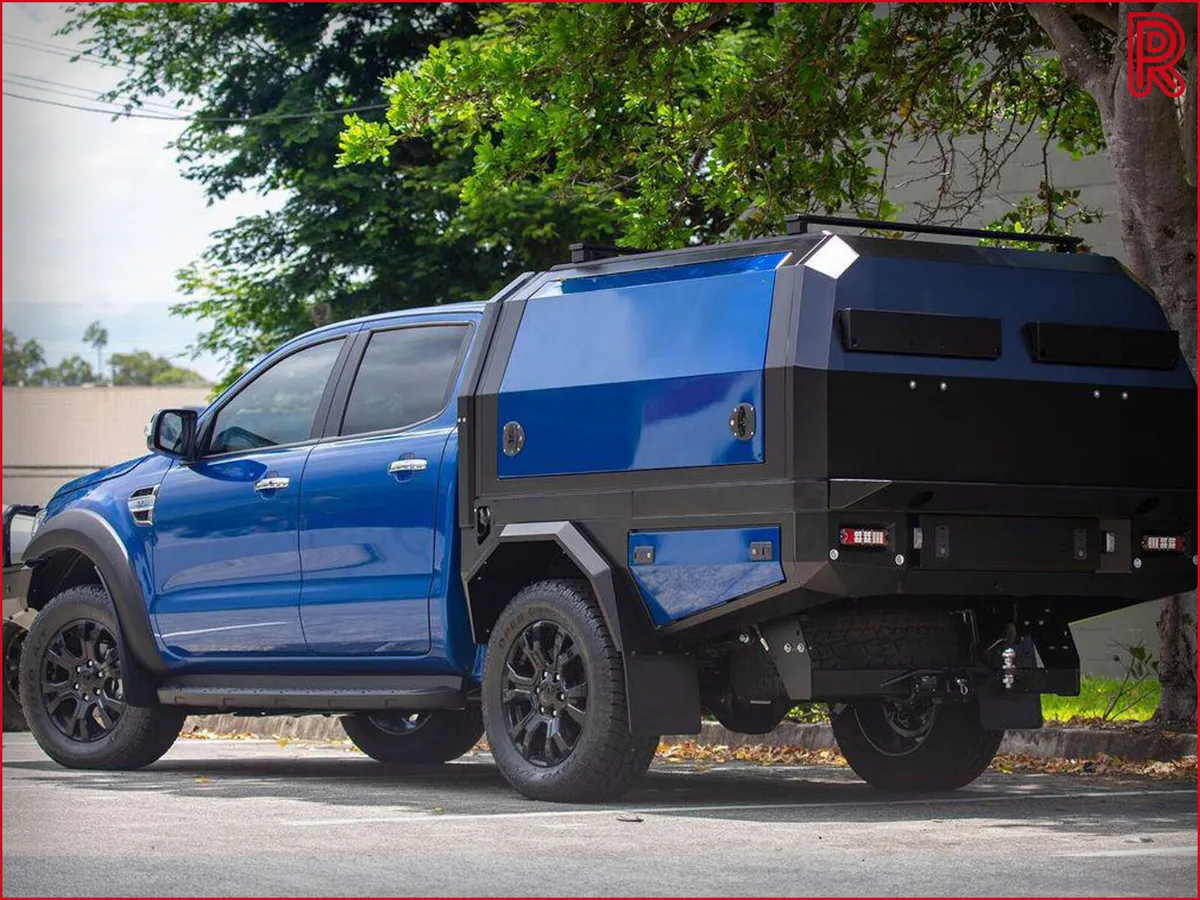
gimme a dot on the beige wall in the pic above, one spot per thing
(54, 434)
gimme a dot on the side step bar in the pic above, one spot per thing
(320, 693)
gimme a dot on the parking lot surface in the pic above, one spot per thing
(254, 818)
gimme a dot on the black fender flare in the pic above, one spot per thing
(662, 689)
(579, 550)
(87, 533)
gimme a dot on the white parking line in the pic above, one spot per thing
(741, 807)
(1148, 851)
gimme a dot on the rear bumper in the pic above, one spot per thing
(1044, 543)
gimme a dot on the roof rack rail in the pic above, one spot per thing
(1063, 243)
(590, 251)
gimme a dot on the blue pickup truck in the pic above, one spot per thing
(631, 491)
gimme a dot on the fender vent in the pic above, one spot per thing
(141, 505)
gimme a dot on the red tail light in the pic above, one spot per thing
(1164, 543)
(864, 537)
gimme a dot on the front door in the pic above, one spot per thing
(226, 554)
(368, 506)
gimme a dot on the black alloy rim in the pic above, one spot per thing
(81, 681)
(545, 694)
(13, 646)
(399, 723)
(896, 729)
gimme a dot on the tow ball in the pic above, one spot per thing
(1008, 667)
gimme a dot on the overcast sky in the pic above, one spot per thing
(97, 219)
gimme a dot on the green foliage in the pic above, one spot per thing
(691, 122)
(71, 372)
(1105, 698)
(142, 368)
(266, 83)
(96, 335)
(21, 359)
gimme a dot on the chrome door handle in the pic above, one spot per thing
(407, 465)
(271, 484)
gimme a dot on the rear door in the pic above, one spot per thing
(369, 498)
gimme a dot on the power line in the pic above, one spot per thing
(25, 43)
(224, 120)
(82, 93)
(120, 103)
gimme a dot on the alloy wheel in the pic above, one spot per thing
(896, 728)
(399, 723)
(545, 693)
(81, 681)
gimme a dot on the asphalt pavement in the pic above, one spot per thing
(252, 818)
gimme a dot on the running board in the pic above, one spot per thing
(321, 693)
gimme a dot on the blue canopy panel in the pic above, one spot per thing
(597, 386)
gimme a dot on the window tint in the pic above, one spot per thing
(278, 407)
(404, 377)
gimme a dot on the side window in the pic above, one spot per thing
(277, 407)
(404, 377)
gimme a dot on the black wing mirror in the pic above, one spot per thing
(172, 432)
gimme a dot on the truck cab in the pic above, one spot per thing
(633, 490)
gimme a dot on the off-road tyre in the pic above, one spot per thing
(427, 738)
(136, 737)
(604, 758)
(952, 749)
(10, 653)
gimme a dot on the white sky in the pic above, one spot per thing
(97, 218)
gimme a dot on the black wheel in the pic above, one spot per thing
(554, 699)
(72, 692)
(745, 717)
(14, 643)
(917, 746)
(422, 738)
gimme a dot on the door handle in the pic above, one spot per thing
(274, 483)
(407, 465)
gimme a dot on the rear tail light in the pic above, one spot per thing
(1164, 543)
(864, 537)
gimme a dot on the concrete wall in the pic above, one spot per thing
(54, 434)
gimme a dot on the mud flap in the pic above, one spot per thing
(663, 693)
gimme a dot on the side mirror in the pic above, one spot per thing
(172, 432)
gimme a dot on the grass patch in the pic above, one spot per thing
(1096, 696)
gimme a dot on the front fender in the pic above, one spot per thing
(125, 576)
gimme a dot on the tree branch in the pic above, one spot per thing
(1079, 60)
(1103, 13)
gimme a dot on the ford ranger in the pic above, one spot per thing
(631, 491)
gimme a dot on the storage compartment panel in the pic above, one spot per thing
(683, 572)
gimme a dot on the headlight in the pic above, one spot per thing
(37, 522)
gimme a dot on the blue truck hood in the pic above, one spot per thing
(116, 471)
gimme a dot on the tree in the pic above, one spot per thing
(264, 84)
(97, 335)
(21, 359)
(139, 367)
(703, 121)
(71, 372)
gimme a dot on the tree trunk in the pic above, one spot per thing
(1146, 139)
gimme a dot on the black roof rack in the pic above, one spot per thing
(1063, 243)
(590, 251)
